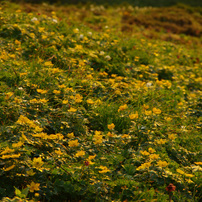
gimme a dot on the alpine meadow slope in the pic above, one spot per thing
(97, 104)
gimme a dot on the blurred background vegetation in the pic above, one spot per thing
(140, 3)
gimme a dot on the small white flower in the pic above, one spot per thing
(149, 84)
(54, 20)
(90, 33)
(34, 19)
(107, 57)
(102, 52)
(81, 36)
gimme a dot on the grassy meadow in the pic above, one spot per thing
(100, 103)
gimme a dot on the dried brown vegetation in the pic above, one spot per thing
(170, 20)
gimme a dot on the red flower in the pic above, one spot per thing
(86, 163)
(170, 187)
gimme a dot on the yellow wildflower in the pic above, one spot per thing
(70, 135)
(48, 64)
(91, 157)
(145, 153)
(58, 152)
(144, 165)
(41, 91)
(80, 153)
(153, 156)
(89, 101)
(72, 109)
(180, 171)
(111, 126)
(104, 169)
(145, 106)
(198, 163)
(189, 175)
(156, 111)
(78, 98)
(147, 112)
(110, 134)
(9, 94)
(73, 143)
(9, 168)
(65, 101)
(123, 107)
(133, 116)
(172, 136)
(162, 163)
(56, 91)
(161, 141)
(37, 163)
(151, 150)
(7, 150)
(97, 137)
(30, 172)
(19, 144)
(12, 156)
(34, 187)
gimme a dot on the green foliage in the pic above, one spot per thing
(89, 112)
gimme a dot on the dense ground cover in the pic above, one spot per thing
(98, 106)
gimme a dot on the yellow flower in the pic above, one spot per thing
(104, 169)
(59, 136)
(30, 172)
(125, 136)
(151, 150)
(97, 137)
(9, 94)
(147, 112)
(145, 153)
(12, 156)
(144, 165)
(37, 163)
(198, 163)
(70, 135)
(153, 156)
(162, 163)
(110, 134)
(145, 106)
(78, 98)
(168, 119)
(72, 109)
(48, 64)
(73, 143)
(180, 171)
(58, 152)
(7, 150)
(41, 91)
(89, 101)
(65, 101)
(34, 187)
(19, 144)
(41, 135)
(56, 91)
(111, 126)
(172, 136)
(123, 107)
(161, 141)
(80, 153)
(91, 157)
(189, 175)
(133, 116)
(156, 111)
(9, 168)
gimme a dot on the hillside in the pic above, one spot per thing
(100, 103)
